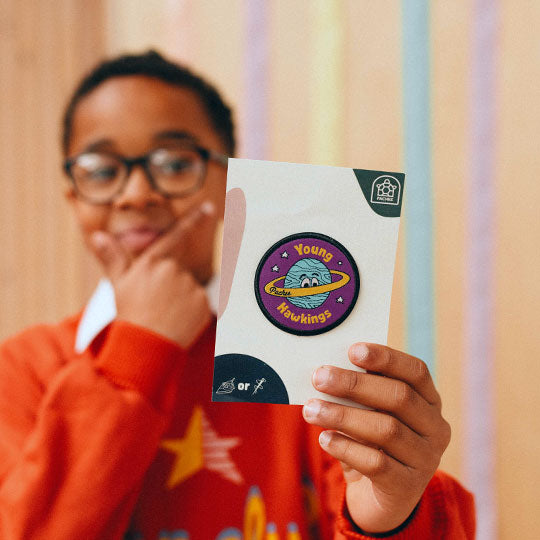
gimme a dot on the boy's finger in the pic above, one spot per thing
(371, 462)
(374, 428)
(396, 365)
(111, 254)
(380, 393)
(168, 243)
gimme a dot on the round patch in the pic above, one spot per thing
(307, 284)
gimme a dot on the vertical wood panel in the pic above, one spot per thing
(518, 259)
(418, 202)
(10, 278)
(451, 29)
(374, 121)
(135, 25)
(289, 81)
(373, 93)
(219, 41)
(327, 82)
(44, 272)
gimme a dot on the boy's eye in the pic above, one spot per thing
(174, 166)
(173, 162)
(96, 168)
(103, 173)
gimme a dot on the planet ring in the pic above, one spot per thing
(270, 287)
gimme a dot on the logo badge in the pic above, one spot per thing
(307, 284)
(386, 189)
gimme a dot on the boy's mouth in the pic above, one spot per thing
(138, 239)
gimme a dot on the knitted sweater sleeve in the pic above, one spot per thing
(77, 434)
(445, 511)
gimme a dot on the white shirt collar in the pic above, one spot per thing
(101, 310)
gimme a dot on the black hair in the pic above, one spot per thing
(152, 64)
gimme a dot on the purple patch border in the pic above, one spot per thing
(304, 236)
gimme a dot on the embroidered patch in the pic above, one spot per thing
(307, 284)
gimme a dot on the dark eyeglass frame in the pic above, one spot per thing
(206, 155)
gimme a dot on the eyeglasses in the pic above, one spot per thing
(173, 171)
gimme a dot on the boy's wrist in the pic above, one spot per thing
(388, 534)
(350, 529)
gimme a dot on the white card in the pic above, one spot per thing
(307, 270)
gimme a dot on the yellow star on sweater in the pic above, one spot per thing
(201, 448)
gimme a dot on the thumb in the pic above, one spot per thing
(110, 253)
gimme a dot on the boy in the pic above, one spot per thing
(106, 429)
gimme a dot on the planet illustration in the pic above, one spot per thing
(307, 284)
(308, 273)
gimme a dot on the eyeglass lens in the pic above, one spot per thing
(174, 171)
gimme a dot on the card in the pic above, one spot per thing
(307, 270)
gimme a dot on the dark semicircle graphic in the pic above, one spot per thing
(244, 378)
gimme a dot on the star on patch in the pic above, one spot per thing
(201, 448)
(284, 255)
(275, 268)
(339, 300)
(340, 263)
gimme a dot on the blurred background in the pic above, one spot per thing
(446, 91)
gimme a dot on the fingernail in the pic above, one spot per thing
(311, 409)
(321, 376)
(324, 438)
(208, 208)
(360, 352)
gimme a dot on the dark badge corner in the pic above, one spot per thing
(383, 191)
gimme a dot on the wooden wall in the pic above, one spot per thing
(45, 275)
(46, 46)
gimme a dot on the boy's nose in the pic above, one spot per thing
(138, 191)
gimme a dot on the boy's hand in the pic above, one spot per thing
(154, 290)
(390, 453)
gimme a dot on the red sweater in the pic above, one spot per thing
(123, 437)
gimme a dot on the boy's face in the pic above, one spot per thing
(132, 116)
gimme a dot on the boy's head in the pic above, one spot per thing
(152, 64)
(177, 126)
